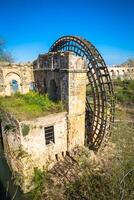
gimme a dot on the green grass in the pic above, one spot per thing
(108, 175)
(124, 91)
(95, 176)
(30, 105)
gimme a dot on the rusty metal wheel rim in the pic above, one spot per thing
(100, 115)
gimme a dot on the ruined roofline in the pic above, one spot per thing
(119, 66)
(54, 53)
(5, 63)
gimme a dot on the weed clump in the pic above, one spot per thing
(25, 129)
(30, 105)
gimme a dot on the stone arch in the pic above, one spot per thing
(10, 79)
(123, 73)
(53, 90)
(112, 73)
(118, 73)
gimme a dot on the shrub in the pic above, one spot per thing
(38, 184)
(25, 129)
(124, 91)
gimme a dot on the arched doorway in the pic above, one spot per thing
(14, 86)
(53, 90)
(13, 83)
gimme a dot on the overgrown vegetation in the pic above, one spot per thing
(21, 153)
(30, 105)
(25, 129)
(107, 175)
(130, 62)
(41, 181)
(124, 91)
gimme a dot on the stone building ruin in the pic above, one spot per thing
(121, 72)
(70, 67)
(15, 78)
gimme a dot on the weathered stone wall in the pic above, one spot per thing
(49, 67)
(22, 73)
(121, 72)
(76, 101)
(12, 142)
(69, 73)
(34, 141)
(64, 75)
(27, 149)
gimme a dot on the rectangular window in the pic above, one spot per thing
(49, 134)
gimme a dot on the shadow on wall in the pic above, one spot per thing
(53, 91)
(32, 86)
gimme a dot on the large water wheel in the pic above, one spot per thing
(99, 98)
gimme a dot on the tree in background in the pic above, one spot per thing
(130, 63)
(4, 55)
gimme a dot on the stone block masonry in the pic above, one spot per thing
(69, 74)
(41, 142)
(76, 101)
(26, 147)
(15, 78)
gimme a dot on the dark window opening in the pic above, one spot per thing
(56, 156)
(53, 90)
(62, 153)
(67, 153)
(49, 134)
(45, 86)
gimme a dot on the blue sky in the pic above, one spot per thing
(31, 26)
